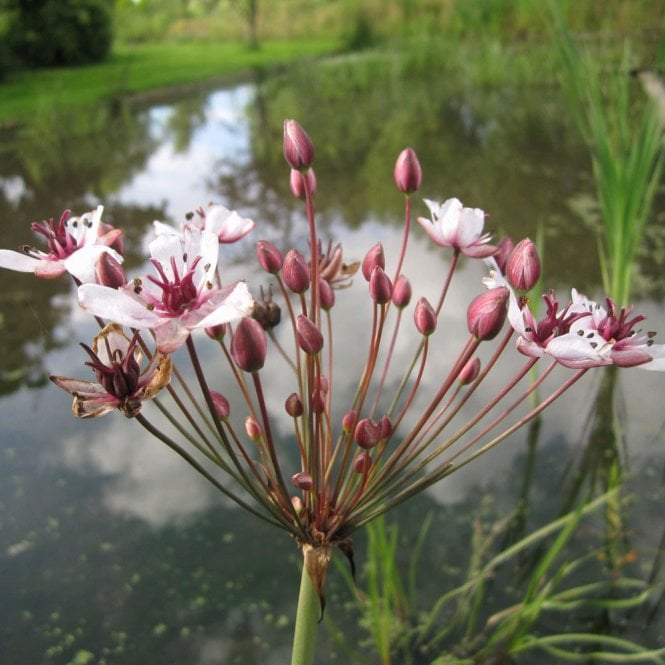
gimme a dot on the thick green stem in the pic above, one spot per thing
(307, 621)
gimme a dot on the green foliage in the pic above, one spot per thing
(61, 32)
(460, 628)
(623, 129)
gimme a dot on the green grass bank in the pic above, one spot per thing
(144, 68)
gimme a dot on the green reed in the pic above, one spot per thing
(623, 129)
(458, 629)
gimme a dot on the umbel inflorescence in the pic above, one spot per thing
(397, 434)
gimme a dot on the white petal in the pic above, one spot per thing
(81, 264)
(237, 304)
(657, 352)
(164, 229)
(17, 261)
(165, 247)
(117, 306)
(171, 335)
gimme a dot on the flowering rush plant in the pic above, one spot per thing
(351, 456)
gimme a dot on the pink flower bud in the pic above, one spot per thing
(367, 433)
(253, 428)
(326, 295)
(523, 266)
(109, 272)
(372, 259)
(386, 427)
(216, 332)
(470, 371)
(293, 405)
(487, 312)
(349, 420)
(424, 317)
(296, 272)
(408, 174)
(504, 248)
(297, 504)
(302, 480)
(299, 179)
(362, 462)
(318, 401)
(309, 336)
(222, 407)
(248, 345)
(402, 292)
(380, 287)
(269, 257)
(298, 147)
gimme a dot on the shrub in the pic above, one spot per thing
(61, 32)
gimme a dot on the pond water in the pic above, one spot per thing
(111, 550)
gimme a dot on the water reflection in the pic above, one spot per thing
(108, 544)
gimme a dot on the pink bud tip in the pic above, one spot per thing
(293, 405)
(402, 292)
(296, 272)
(300, 182)
(523, 266)
(326, 295)
(216, 332)
(222, 407)
(269, 257)
(298, 147)
(109, 272)
(362, 462)
(367, 433)
(487, 312)
(349, 420)
(386, 427)
(380, 287)
(504, 248)
(302, 480)
(253, 428)
(373, 258)
(470, 371)
(424, 317)
(408, 174)
(309, 336)
(248, 345)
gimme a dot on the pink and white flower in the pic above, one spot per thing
(121, 383)
(74, 245)
(453, 225)
(184, 295)
(582, 334)
(226, 224)
(606, 337)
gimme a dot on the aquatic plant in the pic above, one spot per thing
(623, 129)
(355, 454)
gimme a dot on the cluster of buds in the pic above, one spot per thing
(384, 449)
